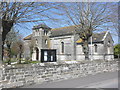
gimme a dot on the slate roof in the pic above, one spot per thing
(97, 37)
(28, 37)
(62, 31)
(56, 32)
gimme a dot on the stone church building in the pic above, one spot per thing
(47, 45)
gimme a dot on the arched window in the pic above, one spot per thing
(82, 48)
(46, 42)
(37, 53)
(45, 33)
(62, 45)
(108, 49)
(36, 41)
(95, 48)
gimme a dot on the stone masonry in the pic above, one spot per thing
(27, 74)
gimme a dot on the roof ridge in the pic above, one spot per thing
(105, 35)
(63, 27)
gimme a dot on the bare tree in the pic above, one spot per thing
(10, 39)
(31, 49)
(87, 17)
(13, 13)
(21, 48)
(18, 48)
(114, 19)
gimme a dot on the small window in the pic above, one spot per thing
(36, 41)
(82, 49)
(62, 45)
(45, 33)
(95, 48)
(46, 42)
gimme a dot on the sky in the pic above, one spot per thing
(25, 29)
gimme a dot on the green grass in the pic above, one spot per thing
(12, 60)
(28, 62)
(25, 61)
(34, 62)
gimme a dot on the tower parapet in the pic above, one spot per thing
(41, 35)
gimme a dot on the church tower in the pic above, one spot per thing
(40, 40)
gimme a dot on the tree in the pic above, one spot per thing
(17, 49)
(114, 19)
(13, 13)
(10, 39)
(117, 51)
(21, 48)
(14, 50)
(87, 18)
(31, 49)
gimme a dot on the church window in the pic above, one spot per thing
(46, 42)
(62, 45)
(95, 48)
(36, 41)
(108, 49)
(45, 32)
(82, 48)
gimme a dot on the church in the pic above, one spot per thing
(51, 45)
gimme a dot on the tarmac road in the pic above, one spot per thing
(102, 80)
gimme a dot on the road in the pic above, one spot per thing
(102, 80)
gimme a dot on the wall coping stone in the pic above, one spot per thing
(50, 64)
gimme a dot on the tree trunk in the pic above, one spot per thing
(20, 55)
(20, 58)
(9, 52)
(86, 49)
(2, 50)
(9, 57)
(6, 25)
(0, 54)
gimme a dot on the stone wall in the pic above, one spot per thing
(20, 75)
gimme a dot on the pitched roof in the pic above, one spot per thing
(57, 32)
(96, 37)
(69, 31)
(62, 31)
(28, 37)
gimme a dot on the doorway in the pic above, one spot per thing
(48, 55)
(37, 53)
